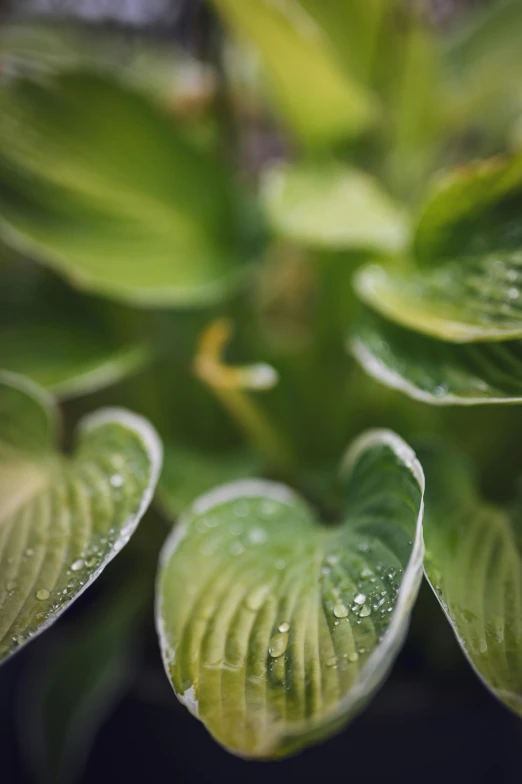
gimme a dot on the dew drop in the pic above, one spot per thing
(278, 645)
(365, 611)
(42, 594)
(29, 552)
(366, 572)
(353, 656)
(256, 535)
(77, 565)
(116, 480)
(332, 661)
(280, 564)
(268, 508)
(340, 610)
(440, 390)
(236, 548)
(360, 598)
(90, 562)
(284, 627)
(513, 293)
(255, 599)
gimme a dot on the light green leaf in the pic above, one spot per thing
(275, 629)
(294, 52)
(62, 519)
(469, 239)
(436, 371)
(473, 563)
(478, 299)
(332, 206)
(101, 185)
(188, 473)
(66, 359)
(353, 30)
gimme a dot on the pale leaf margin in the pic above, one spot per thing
(381, 660)
(381, 372)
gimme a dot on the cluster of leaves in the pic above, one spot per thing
(138, 229)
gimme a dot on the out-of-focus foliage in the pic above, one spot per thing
(465, 290)
(311, 172)
(473, 562)
(94, 199)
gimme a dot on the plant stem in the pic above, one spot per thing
(229, 383)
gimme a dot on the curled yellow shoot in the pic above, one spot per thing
(231, 383)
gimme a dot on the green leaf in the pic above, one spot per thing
(63, 519)
(188, 473)
(294, 52)
(472, 211)
(332, 206)
(275, 629)
(473, 563)
(353, 30)
(101, 185)
(436, 371)
(485, 58)
(469, 240)
(477, 299)
(65, 359)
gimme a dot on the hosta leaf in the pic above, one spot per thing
(275, 629)
(474, 565)
(65, 359)
(469, 300)
(469, 240)
(294, 52)
(485, 58)
(436, 371)
(472, 211)
(62, 519)
(332, 206)
(117, 211)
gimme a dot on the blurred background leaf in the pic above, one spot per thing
(95, 201)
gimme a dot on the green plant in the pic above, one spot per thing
(148, 259)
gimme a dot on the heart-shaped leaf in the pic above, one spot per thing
(62, 519)
(436, 371)
(294, 51)
(474, 565)
(66, 359)
(275, 629)
(101, 185)
(469, 239)
(332, 206)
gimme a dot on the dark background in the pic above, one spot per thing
(432, 721)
